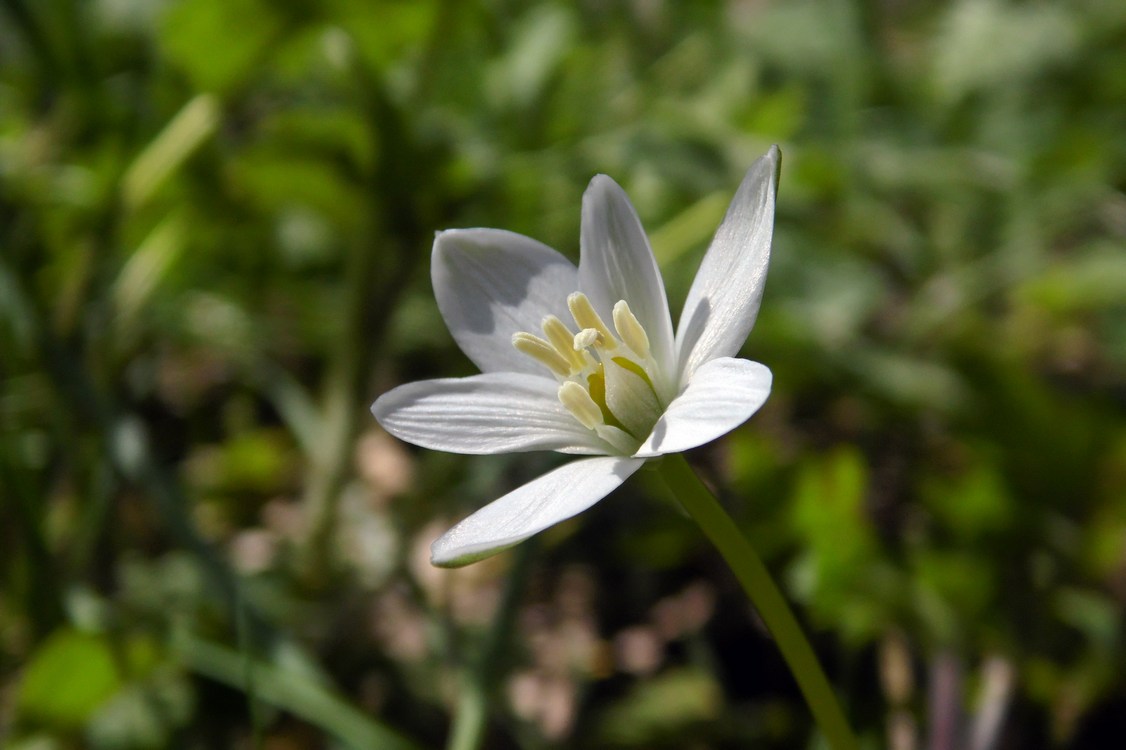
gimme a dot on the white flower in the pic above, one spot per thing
(584, 360)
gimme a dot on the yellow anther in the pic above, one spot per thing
(630, 329)
(587, 317)
(580, 404)
(541, 351)
(562, 340)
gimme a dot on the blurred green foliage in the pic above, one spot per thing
(215, 219)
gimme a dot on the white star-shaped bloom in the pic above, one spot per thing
(584, 360)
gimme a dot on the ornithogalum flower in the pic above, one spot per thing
(584, 360)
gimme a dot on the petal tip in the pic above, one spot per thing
(774, 158)
(444, 236)
(441, 559)
(437, 249)
(602, 185)
(444, 554)
(378, 408)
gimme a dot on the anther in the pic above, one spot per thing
(630, 329)
(541, 351)
(587, 317)
(581, 405)
(562, 340)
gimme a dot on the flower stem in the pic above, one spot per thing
(706, 511)
(485, 668)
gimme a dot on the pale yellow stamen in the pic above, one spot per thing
(587, 317)
(630, 329)
(581, 405)
(542, 352)
(562, 340)
(608, 388)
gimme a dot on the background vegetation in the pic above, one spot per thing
(215, 222)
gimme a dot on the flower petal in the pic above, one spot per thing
(499, 412)
(543, 502)
(722, 394)
(724, 299)
(616, 263)
(491, 284)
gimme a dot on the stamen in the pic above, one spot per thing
(587, 317)
(607, 389)
(580, 404)
(542, 352)
(562, 340)
(630, 329)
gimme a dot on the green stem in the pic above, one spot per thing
(484, 671)
(472, 714)
(706, 511)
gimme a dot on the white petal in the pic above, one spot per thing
(499, 412)
(616, 263)
(543, 502)
(722, 394)
(724, 299)
(490, 284)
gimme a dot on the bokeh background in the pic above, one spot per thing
(215, 224)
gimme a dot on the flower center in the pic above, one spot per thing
(606, 381)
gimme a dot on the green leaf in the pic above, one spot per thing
(67, 679)
(144, 714)
(988, 43)
(972, 503)
(385, 32)
(667, 704)
(953, 591)
(1092, 281)
(542, 41)
(290, 689)
(180, 138)
(217, 42)
(840, 572)
(277, 181)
